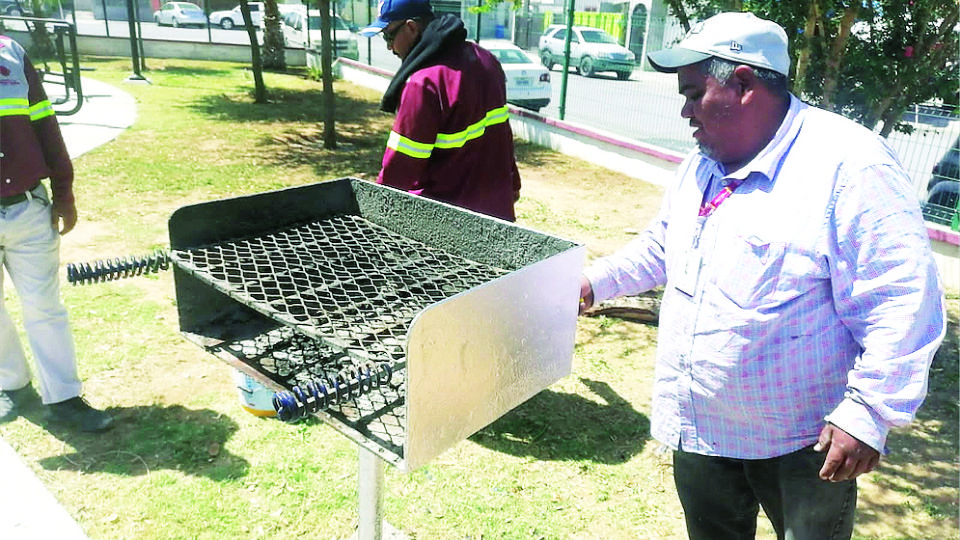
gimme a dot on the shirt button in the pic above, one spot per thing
(8, 180)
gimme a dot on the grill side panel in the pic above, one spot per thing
(476, 356)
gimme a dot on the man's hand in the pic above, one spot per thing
(65, 211)
(847, 457)
(586, 294)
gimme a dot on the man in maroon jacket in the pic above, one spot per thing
(31, 149)
(451, 140)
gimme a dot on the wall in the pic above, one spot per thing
(156, 48)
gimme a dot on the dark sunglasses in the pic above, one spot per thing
(392, 35)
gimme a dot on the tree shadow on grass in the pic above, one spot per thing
(361, 130)
(147, 439)
(569, 427)
(288, 105)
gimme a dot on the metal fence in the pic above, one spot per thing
(643, 108)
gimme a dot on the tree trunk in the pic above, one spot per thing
(891, 117)
(676, 6)
(260, 89)
(273, 55)
(873, 116)
(803, 54)
(835, 57)
(326, 62)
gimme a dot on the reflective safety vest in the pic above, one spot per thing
(31, 146)
(451, 140)
(14, 87)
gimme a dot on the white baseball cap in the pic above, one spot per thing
(739, 37)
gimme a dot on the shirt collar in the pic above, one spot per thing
(767, 162)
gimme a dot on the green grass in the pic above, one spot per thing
(186, 462)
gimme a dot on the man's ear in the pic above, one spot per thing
(413, 26)
(745, 82)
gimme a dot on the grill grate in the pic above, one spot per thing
(290, 358)
(346, 290)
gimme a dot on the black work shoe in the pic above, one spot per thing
(12, 400)
(76, 413)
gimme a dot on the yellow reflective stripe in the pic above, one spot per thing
(420, 150)
(409, 147)
(457, 140)
(40, 110)
(14, 106)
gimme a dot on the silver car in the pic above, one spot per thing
(179, 14)
(233, 18)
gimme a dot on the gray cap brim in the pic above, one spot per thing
(669, 60)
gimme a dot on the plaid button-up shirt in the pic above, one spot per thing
(809, 295)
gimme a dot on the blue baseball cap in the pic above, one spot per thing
(397, 10)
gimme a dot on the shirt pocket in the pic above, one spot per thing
(754, 272)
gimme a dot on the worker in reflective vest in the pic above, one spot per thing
(31, 149)
(451, 140)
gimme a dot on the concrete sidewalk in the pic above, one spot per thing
(27, 509)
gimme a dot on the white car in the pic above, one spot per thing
(528, 83)
(297, 26)
(179, 14)
(591, 50)
(233, 18)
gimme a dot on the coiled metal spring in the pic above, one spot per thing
(111, 269)
(320, 394)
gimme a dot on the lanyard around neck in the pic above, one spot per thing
(707, 208)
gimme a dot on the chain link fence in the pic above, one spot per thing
(644, 106)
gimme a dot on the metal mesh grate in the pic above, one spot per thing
(346, 290)
(290, 358)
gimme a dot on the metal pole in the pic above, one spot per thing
(369, 42)
(206, 14)
(134, 47)
(370, 495)
(479, 14)
(106, 18)
(136, 14)
(566, 61)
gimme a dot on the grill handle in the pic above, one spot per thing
(317, 395)
(111, 269)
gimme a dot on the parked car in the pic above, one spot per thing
(283, 9)
(591, 51)
(233, 18)
(14, 8)
(948, 168)
(297, 24)
(179, 14)
(943, 189)
(528, 83)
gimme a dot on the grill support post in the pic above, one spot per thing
(370, 495)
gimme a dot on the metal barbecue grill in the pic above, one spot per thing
(405, 323)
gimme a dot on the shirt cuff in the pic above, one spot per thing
(861, 422)
(602, 288)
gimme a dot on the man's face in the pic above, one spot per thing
(400, 37)
(714, 110)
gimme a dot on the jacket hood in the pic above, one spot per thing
(437, 38)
